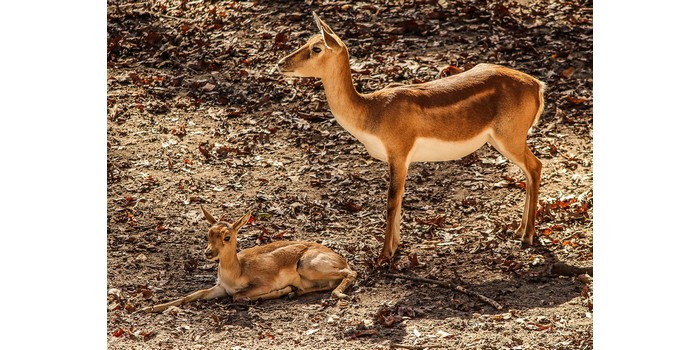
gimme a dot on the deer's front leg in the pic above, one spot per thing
(216, 291)
(398, 168)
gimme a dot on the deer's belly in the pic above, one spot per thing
(435, 150)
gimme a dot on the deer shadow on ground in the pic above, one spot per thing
(540, 287)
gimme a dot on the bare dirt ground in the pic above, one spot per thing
(198, 116)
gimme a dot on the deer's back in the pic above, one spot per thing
(467, 102)
(275, 255)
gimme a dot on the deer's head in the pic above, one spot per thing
(319, 57)
(222, 235)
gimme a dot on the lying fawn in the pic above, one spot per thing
(269, 271)
(440, 120)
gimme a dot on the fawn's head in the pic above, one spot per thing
(319, 57)
(222, 235)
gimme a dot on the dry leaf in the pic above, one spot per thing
(574, 100)
(208, 87)
(566, 73)
(447, 71)
(444, 334)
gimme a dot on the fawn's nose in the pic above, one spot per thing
(208, 253)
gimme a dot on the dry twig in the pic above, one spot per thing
(416, 347)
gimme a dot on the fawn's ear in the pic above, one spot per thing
(329, 38)
(208, 216)
(242, 221)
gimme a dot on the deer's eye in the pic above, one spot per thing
(227, 238)
(316, 49)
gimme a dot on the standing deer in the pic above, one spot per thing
(440, 120)
(269, 271)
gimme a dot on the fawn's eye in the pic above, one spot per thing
(316, 49)
(227, 238)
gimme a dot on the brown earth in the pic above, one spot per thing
(198, 116)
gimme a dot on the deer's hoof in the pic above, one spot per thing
(526, 241)
(339, 295)
(383, 260)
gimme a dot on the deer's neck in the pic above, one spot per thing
(229, 265)
(347, 105)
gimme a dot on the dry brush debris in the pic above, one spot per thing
(197, 115)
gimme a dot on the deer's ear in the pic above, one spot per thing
(329, 38)
(322, 26)
(208, 216)
(242, 221)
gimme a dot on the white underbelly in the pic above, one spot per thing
(435, 150)
(425, 149)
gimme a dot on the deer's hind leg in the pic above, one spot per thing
(518, 152)
(324, 270)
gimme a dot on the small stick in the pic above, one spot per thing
(416, 347)
(121, 6)
(454, 286)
